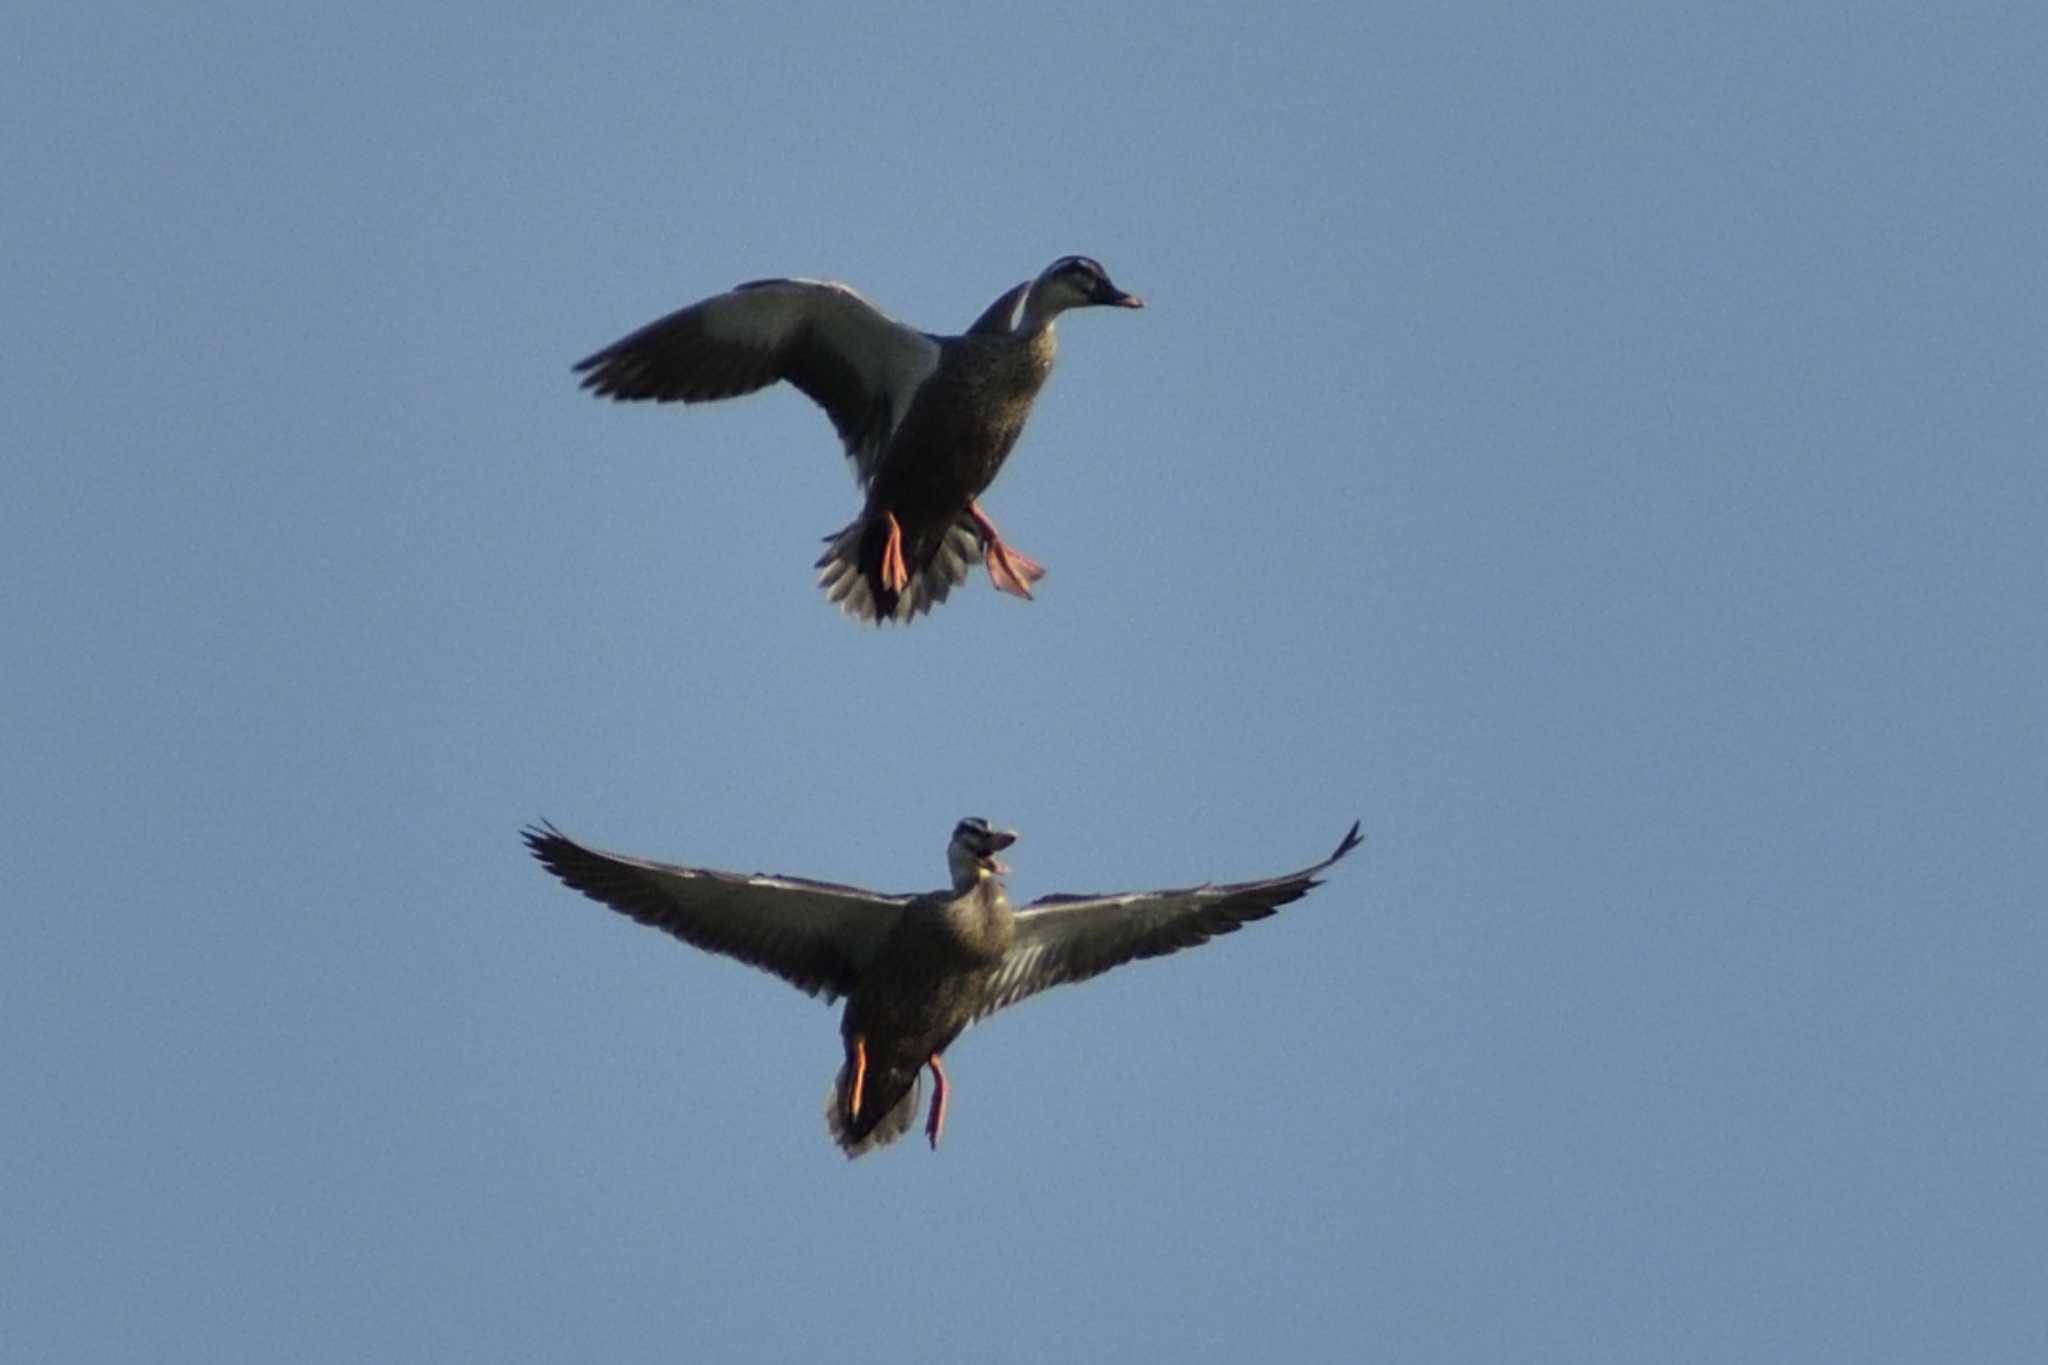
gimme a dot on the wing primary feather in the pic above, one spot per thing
(1067, 938)
(815, 935)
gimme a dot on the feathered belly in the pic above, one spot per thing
(931, 482)
(910, 1024)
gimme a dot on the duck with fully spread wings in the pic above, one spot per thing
(927, 420)
(915, 970)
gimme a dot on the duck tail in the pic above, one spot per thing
(850, 570)
(858, 1139)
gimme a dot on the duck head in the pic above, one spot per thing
(1073, 282)
(971, 855)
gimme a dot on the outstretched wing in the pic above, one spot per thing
(817, 936)
(1071, 938)
(857, 363)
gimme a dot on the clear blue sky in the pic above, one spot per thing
(1599, 447)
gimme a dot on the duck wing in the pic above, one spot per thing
(1071, 938)
(853, 360)
(818, 936)
(1000, 317)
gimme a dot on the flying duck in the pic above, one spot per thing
(927, 420)
(915, 969)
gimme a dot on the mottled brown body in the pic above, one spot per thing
(928, 984)
(952, 443)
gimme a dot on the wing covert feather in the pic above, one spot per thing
(850, 358)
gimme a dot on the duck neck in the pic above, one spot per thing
(984, 930)
(1040, 307)
(964, 868)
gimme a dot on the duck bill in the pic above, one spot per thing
(998, 839)
(1116, 298)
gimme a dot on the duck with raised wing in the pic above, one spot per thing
(926, 420)
(915, 970)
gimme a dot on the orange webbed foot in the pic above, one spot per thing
(1009, 570)
(936, 1123)
(859, 1062)
(895, 573)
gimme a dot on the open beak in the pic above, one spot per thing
(998, 839)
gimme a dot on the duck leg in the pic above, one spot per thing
(895, 573)
(936, 1124)
(1009, 570)
(859, 1062)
